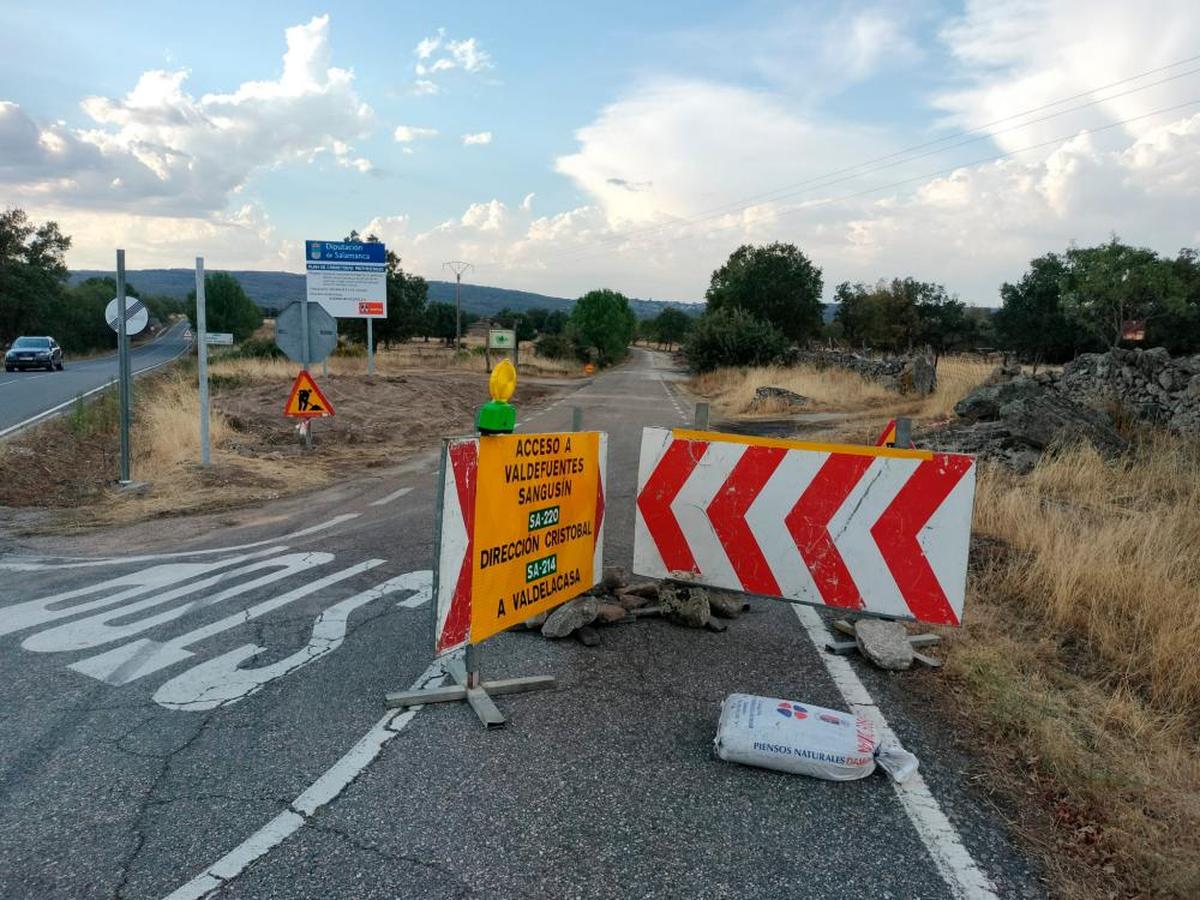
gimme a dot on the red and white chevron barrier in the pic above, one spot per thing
(873, 529)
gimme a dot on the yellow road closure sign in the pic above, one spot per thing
(538, 511)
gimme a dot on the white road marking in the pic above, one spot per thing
(322, 791)
(79, 562)
(220, 682)
(963, 877)
(139, 658)
(395, 495)
(41, 610)
(111, 625)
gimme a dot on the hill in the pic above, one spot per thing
(274, 290)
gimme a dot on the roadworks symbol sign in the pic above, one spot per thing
(306, 400)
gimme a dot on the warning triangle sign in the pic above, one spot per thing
(306, 400)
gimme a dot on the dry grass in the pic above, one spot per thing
(732, 390)
(402, 359)
(167, 433)
(1079, 665)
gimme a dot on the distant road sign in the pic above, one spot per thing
(348, 279)
(502, 339)
(306, 400)
(322, 333)
(219, 338)
(136, 317)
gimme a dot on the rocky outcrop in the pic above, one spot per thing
(1012, 422)
(913, 374)
(774, 398)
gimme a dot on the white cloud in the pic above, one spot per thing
(159, 149)
(479, 138)
(465, 54)
(1020, 54)
(406, 134)
(527, 203)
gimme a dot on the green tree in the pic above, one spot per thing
(603, 320)
(1113, 283)
(33, 272)
(1031, 321)
(776, 283)
(671, 326)
(1178, 328)
(227, 307)
(438, 322)
(733, 337)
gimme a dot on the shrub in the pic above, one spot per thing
(733, 337)
(255, 348)
(555, 346)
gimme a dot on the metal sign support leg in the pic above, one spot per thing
(202, 362)
(470, 686)
(123, 368)
(370, 346)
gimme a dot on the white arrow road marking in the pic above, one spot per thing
(219, 681)
(48, 609)
(22, 564)
(963, 877)
(395, 495)
(322, 791)
(96, 630)
(137, 659)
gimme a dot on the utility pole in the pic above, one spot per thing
(457, 266)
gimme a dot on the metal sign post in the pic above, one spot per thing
(202, 361)
(304, 360)
(123, 367)
(370, 346)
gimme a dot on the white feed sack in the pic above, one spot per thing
(805, 739)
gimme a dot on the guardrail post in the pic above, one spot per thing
(701, 418)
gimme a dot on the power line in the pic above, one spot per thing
(926, 175)
(828, 179)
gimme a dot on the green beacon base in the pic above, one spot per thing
(496, 417)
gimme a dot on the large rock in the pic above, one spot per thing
(917, 377)
(685, 605)
(1148, 385)
(884, 643)
(775, 397)
(984, 402)
(727, 606)
(572, 615)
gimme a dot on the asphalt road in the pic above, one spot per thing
(167, 736)
(28, 395)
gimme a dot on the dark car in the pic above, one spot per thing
(34, 353)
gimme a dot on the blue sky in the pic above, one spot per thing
(629, 145)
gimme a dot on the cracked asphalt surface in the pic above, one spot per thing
(604, 787)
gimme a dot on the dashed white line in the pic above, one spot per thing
(394, 495)
(325, 789)
(963, 877)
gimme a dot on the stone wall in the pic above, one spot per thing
(913, 374)
(1147, 384)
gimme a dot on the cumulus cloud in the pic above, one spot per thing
(406, 134)
(1016, 55)
(160, 149)
(477, 139)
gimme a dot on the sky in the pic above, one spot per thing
(561, 147)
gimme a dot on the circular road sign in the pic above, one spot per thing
(136, 316)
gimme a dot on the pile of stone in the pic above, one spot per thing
(615, 601)
(1147, 384)
(1013, 418)
(911, 374)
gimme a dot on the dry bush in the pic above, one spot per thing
(957, 376)
(167, 435)
(1079, 659)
